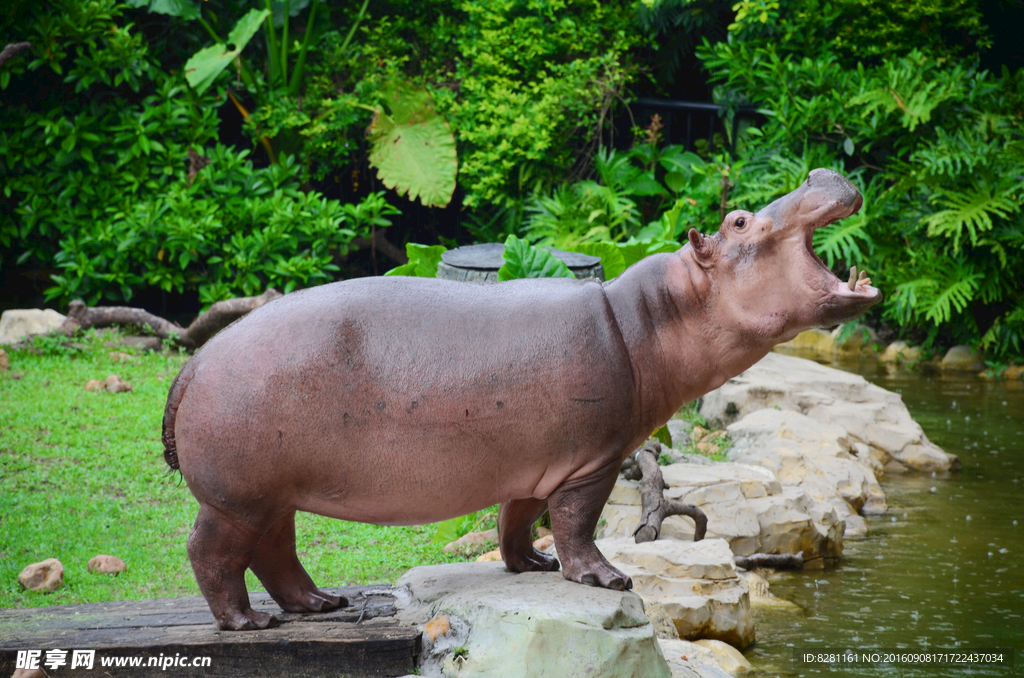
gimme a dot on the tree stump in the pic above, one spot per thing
(480, 263)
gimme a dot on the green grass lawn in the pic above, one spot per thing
(82, 473)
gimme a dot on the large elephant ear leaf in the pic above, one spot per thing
(206, 64)
(611, 258)
(522, 260)
(413, 147)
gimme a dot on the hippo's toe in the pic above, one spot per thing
(247, 620)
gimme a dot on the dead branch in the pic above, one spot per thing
(12, 50)
(380, 244)
(654, 507)
(779, 561)
(220, 315)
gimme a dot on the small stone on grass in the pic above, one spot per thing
(103, 564)
(45, 576)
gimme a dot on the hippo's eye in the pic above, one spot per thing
(740, 223)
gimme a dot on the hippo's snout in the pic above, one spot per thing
(825, 197)
(835, 186)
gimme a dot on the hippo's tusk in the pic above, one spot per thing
(856, 280)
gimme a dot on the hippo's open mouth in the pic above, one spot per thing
(856, 289)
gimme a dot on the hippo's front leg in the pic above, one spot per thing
(575, 508)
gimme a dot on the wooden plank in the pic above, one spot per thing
(163, 631)
(34, 623)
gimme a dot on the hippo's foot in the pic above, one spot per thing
(278, 568)
(596, 571)
(246, 620)
(531, 561)
(309, 601)
(575, 509)
(515, 536)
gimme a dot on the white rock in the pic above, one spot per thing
(761, 595)
(693, 660)
(729, 658)
(529, 624)
(742, 503)
(814, 456)
(16, 325)
(794, 522)
(870, 414)
(696, 583)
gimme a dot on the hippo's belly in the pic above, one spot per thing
(399, 401)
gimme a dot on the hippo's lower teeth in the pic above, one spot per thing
(857, 280)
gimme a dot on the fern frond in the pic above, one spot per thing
(971, 211)
(957, 294)
(912, 86)
(846, 240)
(952, 154)
(940, 288)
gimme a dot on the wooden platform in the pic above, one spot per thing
(314, 645)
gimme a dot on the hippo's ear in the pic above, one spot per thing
(701, 248)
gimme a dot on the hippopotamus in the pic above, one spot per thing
(399, 401)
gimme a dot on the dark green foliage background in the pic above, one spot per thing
(97, 124)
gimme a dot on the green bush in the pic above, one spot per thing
(525, 85)
(123, 184)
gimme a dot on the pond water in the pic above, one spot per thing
(942, 570)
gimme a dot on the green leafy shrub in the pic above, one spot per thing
(233, 232)
(125, 189)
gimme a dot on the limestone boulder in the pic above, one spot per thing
(45, 576)
(695, 583)
(742, 503)
(870, 414)
(509, 625)
(900, 354)
(702, 659)
(962, 359)
(794, 522)
(812, 344)
(816, 457)
(862, 342)
(16, 325)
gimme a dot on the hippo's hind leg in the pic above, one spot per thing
(575, 508)
(515, 536)
(277, 566)
(220, 549)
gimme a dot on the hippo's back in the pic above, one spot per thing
(365, 399)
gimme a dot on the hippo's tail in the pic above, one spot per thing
(178, 387)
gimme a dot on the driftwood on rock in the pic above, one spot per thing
(220, 315)
(779, 561)
(654, 507)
